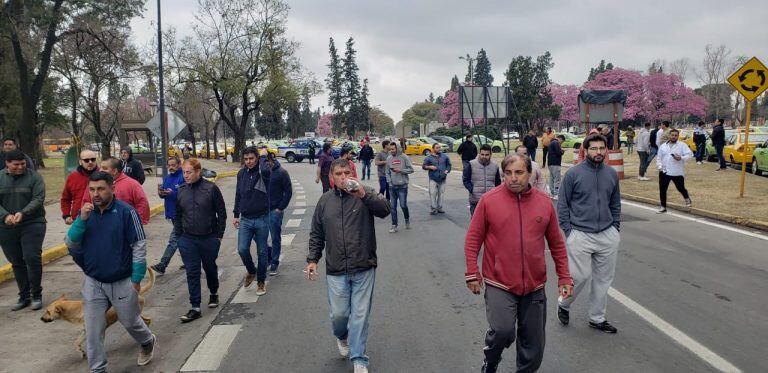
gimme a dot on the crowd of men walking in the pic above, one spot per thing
(514, 215)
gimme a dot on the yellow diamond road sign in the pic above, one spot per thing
(751, 79)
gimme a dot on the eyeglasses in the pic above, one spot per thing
(89, 160)
(595, 149)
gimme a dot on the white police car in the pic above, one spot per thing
(298, 151)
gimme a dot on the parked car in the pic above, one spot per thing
(711, 154)
(298, 150)
(431, 142)
(497, 146)
(511, 136)
(760, 159)
(571, 140)
(417, 147)
(736, 150)
(447, 140)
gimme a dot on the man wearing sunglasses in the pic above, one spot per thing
(76, 185)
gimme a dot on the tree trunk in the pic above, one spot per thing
(215, 145)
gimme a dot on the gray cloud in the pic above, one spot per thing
(410, 48)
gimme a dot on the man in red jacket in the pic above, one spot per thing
(127, 189)
(76, 185)
(512, 221)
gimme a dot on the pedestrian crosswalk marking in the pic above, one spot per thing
(211, 350)
(286, 239)
(293, 223)
(246, 295)
(300, 204)
(299, 211)
(301, 196)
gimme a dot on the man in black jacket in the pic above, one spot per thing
(555, 158)
(9, 145)
(467, 150)
(252, 215)
(132, 167)
(280, 193)
(531, 143)
(653, 146)
(200, 221)
(718, 141)
(343, 224)
(366, 156)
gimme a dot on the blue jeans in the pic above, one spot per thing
(651, 153)
(399, 192)
(720, 156)
(195, 250)
(384, 186)
(366, 169)
(472, 207)
(532, 154)
(169, 250)
(350, 297)
(256, 229)
(701, 150)
(275, 229)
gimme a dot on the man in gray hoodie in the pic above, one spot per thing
(589, 211)
(398, 168)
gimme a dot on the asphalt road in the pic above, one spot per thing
(687, 302)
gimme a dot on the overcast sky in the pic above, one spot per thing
(408, 49)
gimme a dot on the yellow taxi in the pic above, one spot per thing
(736, 150)
(417, 147)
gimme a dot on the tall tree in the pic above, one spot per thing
(365, 106)
(354, 117)
(601, 68)
(713, 73)
(454, 83)
(335, 86)
(381, 122)
(528, 80)
(482, 73)
(33, 28)
(235, 45)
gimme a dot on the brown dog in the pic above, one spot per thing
(72, 311)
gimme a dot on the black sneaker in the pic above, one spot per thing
(213, 301)
(604, 327)
(563, 315)
(21, 304)
(159, 270)
(489, 368)
(433, 212)
(192, 315)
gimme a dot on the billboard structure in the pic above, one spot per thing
(602, 107)
(483, 103)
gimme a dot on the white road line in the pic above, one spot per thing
(301, 196)
(420, 187)
(286, 239)
(300, 204)
(700, 220)
(293, 223)
(245, 295)
(212, 349)
(299, 211)
(677, 335)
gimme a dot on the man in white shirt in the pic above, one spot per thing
(671, 163)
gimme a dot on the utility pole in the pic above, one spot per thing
(471, 74)
(163, 121)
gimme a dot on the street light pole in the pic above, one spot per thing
(470, 60)
(163, 124)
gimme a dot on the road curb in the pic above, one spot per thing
(738, 220)
(55, 252)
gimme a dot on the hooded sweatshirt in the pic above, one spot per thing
(400, 162)
(72, 195)
(280, 189)
(133, 167)
(130, 192)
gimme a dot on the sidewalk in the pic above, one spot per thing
(56, 228)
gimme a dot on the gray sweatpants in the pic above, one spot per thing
(436, 194)
(97, 297)
(592, 258)
(503, 310)
(554, 180)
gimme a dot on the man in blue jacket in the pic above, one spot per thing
(107, 241)
(168, 192)
(251, 214)
(438, 166)
(280, 192)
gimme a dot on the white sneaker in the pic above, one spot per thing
(393, 229)
(360, 368)
(343, 347)
(661, 210)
